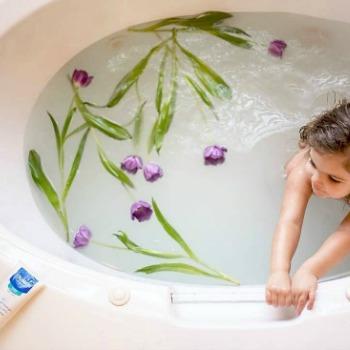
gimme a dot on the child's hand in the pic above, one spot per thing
(278, 289)
(304, 285)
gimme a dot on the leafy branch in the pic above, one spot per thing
(58, 198)
(180, 267)
(57, 195)
(205, 82)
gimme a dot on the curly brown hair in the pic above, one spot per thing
(329, 132)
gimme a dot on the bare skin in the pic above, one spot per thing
(324, 175)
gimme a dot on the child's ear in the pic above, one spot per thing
(302, 144)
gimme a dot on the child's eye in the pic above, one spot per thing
(333, 179)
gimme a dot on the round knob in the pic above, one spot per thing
(119, 296)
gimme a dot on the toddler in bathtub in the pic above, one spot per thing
(322, 168)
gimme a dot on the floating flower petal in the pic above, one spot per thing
(214, 155)
(131, 164)
(81, 78)
(82, 237)
(277, 47)
(141, 211)
(152, 172)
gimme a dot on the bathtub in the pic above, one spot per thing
(84, 304)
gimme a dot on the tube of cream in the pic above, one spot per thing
(15, 291)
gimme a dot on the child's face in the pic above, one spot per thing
(329, 177)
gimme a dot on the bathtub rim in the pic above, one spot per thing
(4, 29)
(157, 299)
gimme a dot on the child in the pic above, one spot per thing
(322, 168)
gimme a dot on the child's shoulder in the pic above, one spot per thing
(297, 161)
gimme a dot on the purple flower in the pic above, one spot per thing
(141, 211)
(214, 155)
(277, 47)
(152, 172)
(81, 78)
(131, 164)
(82, 237)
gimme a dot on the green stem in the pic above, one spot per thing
(98, 143)
(168, 48)
(139, 98)
(64, 219)
(138, 94)
(182, 69)
(129, 122)
(76, 130)
(68, 121)
(108, 245)
(64, 216)
(94, 105)
(219, 274)
(64, 132)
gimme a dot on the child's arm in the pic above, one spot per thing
(286, 237)
(333, 250)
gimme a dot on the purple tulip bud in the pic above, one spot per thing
(82, 237)
(152, 172)
(277, 47)
(131, 164)
(81, 78)
(214, 155)
(141, 211)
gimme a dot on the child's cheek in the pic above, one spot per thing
(338, 193)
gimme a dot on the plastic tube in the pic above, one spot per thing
(15, 291)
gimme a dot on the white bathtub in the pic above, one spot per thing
(77, 308)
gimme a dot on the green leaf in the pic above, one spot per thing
(230, 29)
(78, 129)
(159, 92)
(138, 123)
(106, 126)
(171, 231)
(131, 77)
(161, 126)
(221, 91)
(150, 252)
(42, 181)
(175, 267)
(207, 19)
(156, 25)
(113, 169)
(152, 136)
(200, 92)
(203, 19)
(57, 133)
(167, 110)
(75, 165)
(234, 40)
(211, 80)
(59, 140)
(67, 122)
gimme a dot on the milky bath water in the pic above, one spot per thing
(226, 213)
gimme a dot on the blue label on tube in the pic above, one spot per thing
(22, 282)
